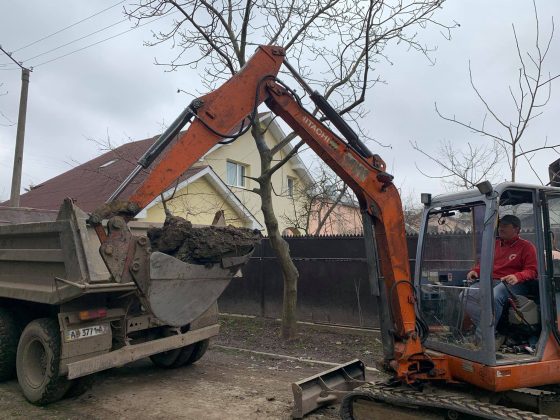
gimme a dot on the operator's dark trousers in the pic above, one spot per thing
(501, 296)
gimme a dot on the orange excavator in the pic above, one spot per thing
(427, 335)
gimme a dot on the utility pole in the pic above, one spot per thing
(18, 156)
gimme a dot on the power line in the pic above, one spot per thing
(63, 45)
(69, 26)
(11, 58)
(79, 39)
(76, 40)
(103, 40)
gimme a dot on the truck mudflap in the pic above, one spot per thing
(327, 387)
(134, 352)
(178, 292)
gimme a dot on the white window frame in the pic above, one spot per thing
(290, 188)
(240, 174)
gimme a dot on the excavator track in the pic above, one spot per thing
(452, 404)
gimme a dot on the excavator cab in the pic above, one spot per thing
(458, 232)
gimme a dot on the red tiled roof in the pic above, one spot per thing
(91, 183)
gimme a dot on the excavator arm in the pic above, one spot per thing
(231, 108)
(214, 116)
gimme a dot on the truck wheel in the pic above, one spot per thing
(198, 351)
(184, 356)
(187, 355)
(166, 359)
(9, 336)
(38, 361)
(80, 386)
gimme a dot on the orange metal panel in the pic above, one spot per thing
(507, 377)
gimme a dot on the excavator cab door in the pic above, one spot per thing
(450, 244)
(551, 219)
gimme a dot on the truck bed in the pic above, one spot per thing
(52, 260)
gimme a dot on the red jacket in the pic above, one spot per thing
(517, 256)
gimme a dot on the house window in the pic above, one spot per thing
(236, 174)
(290, 186)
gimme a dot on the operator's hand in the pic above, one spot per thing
(472, 276)
(510, 279)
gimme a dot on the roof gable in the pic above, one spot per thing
(92, 183)
(219, 185)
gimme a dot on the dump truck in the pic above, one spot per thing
(71, 306)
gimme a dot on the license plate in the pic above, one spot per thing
(86, 332)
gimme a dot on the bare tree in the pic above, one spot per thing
(334, 43)
(463, 169)
(412, 210)
(529, 97)
(319, 206)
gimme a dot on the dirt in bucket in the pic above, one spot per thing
(201, 245)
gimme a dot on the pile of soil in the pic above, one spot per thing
(204, 245)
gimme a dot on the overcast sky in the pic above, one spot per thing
(114, 89)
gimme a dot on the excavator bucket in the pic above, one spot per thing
(327, 387)
(178, 293)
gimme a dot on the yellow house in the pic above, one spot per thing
(224, 183)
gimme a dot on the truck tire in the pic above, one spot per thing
(185, 355)
(38, 362)
(9, 336)
(166, 359)
(198, 351)
(80, 386)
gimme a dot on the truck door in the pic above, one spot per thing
(551, 219)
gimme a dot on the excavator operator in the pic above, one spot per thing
(515, 264)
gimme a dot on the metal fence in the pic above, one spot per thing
(333, 285)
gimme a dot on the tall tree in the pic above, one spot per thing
(528, 100)
(335, 44)
(463, 168)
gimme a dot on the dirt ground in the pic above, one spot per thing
(224, 384)
(312, 342)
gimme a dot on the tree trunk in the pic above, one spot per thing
(290, 274)
(513, 162)
(280, 247)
